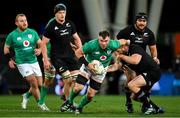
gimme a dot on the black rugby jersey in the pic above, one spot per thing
(60, 36)
(146, 63)
(136, 37)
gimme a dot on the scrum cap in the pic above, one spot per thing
(59, 7)
(141, 16)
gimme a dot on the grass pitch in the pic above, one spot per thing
(101, 106)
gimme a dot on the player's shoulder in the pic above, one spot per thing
(13, 32)
(68, 23)
(149, 30)
(92, 43)
(114, 44)
(30, 29)
(114, 41)
(128, 28)
(51, 21)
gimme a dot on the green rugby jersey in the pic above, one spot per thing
(23, 44)
(93, 51)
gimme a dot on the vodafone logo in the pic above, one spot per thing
(26, 43)
(103, 57)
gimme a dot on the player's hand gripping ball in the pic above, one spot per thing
(98, 66)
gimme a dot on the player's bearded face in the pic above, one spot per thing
(103, 42)
(61, 15)
(141, 24)
(22, 23)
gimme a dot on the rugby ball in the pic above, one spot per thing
(99, 68)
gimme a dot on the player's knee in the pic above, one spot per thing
(40, 83)
(34, 84)
(32, 81)
(78, 87)
(67, 82)
(47, 82)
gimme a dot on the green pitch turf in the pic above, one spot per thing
(101, 106)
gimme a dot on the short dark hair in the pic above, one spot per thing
(141, 15)
(104, 34)
(59, 7)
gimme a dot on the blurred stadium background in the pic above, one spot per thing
(90, 16)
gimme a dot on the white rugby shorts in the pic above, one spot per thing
(29, 69)
(97, 77)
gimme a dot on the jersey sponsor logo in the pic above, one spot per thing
(26, 43)
(68, 25)
(29, 36)
(56, 28)
(103, 57)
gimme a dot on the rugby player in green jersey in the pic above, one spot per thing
(24, 41)
(100, 49)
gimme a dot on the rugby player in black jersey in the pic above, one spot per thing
(141, 35)
(59, 32)
(144, 72)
